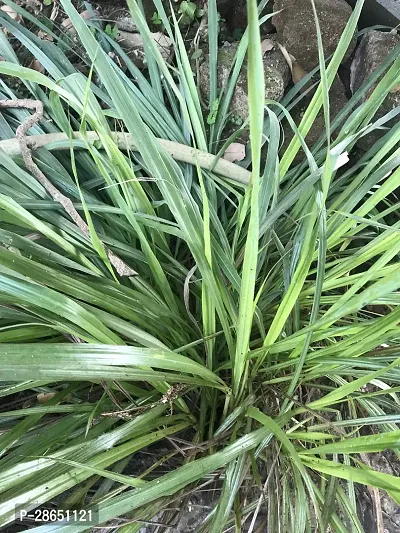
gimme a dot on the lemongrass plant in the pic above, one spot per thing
(254, 353)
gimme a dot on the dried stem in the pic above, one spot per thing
(179, 152)
(376, 499)
(37, 106)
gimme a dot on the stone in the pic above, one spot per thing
(337, 100)
(379, 13)
(275, 59)
(295, 26)
(132, 43)
(374, 48)
(126, 23)
(224, 6)
(235, 14)
(275, 76)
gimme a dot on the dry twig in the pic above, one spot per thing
(172, 394)
(37, 106)
(375, 498)
(179, 152)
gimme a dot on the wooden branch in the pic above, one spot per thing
(22, 142)
(179, 152)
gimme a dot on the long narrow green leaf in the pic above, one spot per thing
(256, 96)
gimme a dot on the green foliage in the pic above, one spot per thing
(212, 116)
(189, 12)
(197, 54)
(111, 30)
(258, 345)
(156, 19)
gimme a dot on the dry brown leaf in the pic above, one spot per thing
(267, 45)
(37, 65)
(35, 5)
(54, 11)
(45, 397)
(298, 72)
(11, 13)
(85, 14)
(235, 152)
(288, 57)
(396, 89)
(67, 23)
(134, 42)
(45, 36)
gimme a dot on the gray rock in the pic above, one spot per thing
(224, 7)
(296, 29)
(235, 13)
(337, 100)
(374, 47)
(126, 23)
(133, 46)
(237, 16)
(275, 76)
(275, 59)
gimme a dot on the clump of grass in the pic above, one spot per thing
(260, 334)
